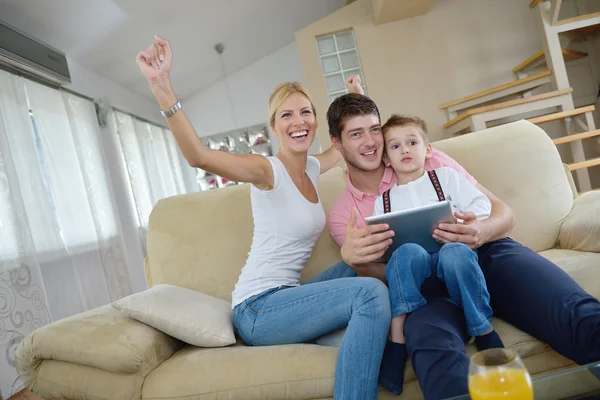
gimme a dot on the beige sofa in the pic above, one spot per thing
(200, 241)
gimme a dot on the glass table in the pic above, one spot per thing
(578, 383)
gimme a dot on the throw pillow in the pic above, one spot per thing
(190, 316)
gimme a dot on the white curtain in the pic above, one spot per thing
(61, 250)
(154, 164)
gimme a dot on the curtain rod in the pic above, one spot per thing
(114, 108)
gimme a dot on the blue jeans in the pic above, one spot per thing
(285, 315)
(456, 265)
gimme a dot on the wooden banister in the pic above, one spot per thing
(561, 115)
(584, 164)
(506, 104)
(578, 18)
(575, 137)
(496, 89)
(568, 55)
(535, 3)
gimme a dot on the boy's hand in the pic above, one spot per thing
(365, 245)
(469, 232)
(353, 84)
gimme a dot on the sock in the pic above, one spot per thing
(489, 341)
(391, 373)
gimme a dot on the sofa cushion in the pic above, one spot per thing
(300, 371)
(190, 316)
(579, 231)
(582, 266)
(102, 338)
(65, 380)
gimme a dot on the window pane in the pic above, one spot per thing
(345, 40)
(330, 64)
(334, 83)
(349, 59)
(335, 95)
(326, 45)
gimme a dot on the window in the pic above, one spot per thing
(339, 60)
(153, 163)
(251, 140)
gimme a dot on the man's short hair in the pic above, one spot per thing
(399, 121)
(348, 106)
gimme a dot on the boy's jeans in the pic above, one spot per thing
(456, 265)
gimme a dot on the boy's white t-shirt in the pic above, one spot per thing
(286, 227)
(463, 195)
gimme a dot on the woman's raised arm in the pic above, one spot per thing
(155, 63)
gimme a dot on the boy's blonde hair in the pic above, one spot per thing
(399, 121)
(282, 92)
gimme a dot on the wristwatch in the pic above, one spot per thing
(167, 113)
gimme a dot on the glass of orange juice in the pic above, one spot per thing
(496, 374)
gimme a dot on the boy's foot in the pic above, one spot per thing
(488, 341)
(391, 373)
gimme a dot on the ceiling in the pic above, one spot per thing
(105, 35)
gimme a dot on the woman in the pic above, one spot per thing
(269, 305)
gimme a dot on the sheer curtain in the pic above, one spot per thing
(153, 162)
(61, 250)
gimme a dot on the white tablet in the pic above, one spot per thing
(415, 225)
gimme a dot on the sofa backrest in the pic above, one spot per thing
(201, 240)
(519, 164)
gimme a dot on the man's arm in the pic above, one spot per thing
(475, 233)
(501, 220)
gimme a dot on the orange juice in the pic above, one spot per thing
(501, 383)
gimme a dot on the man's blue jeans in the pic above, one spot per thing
(455, 265)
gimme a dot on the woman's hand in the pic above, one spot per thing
(353, 84)
(155, 62)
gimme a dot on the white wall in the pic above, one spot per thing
(210, 111)
(413, 65)
(93, 85)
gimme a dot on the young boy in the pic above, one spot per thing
(407, 147)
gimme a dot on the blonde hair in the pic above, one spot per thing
(282, 92)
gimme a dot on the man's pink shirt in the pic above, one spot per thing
(352, 197)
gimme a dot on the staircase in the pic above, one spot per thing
(516, 99)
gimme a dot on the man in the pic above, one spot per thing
(526, 290)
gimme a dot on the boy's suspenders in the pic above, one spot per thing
(434, 181)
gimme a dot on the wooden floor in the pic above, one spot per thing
(24, 395)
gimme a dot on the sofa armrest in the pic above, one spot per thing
(102, 338)
(581, 229)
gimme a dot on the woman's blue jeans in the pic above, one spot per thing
(299, 314)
